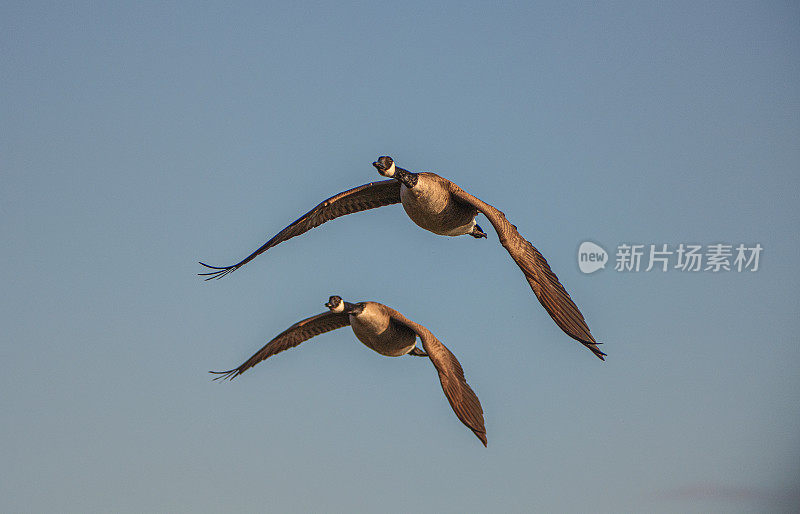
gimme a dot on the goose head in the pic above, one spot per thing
(336, 304)
(385, 166)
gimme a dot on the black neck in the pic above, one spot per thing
(353, 308)
(405, 177)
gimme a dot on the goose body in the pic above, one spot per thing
(389, 333)
(374, 327)
(430, 205)
(440, 206)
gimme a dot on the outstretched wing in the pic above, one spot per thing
(289, 338)
(462, 398)
(361, 198)
(543, 281)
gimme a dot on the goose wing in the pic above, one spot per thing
(462, 398)
(543, 281)
(361, 198)
(289, 338)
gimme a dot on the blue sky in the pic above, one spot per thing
(140, 138)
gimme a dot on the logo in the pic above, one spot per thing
(663, 257)
(591, 257)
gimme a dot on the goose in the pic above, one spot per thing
(440, 206)
(389, 333)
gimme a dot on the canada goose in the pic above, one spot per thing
(438, 205)
(389, 333)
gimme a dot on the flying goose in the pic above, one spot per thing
(440, 206)
(389, 333)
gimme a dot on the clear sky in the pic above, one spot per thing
(136, 140)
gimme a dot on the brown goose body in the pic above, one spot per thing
(430, 205)
(374, 327)
(389, 333)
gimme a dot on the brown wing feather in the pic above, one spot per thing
(543, 281)
(462, 398)
(361, 198)
(289, 338)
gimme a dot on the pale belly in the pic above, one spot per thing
(438, 213)
(384, 337)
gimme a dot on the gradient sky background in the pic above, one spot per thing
(139, 139)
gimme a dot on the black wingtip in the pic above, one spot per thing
(226, 375)
(482, 437)
(593, 347)
(220, 272)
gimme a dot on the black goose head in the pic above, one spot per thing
(385, 166)
(335, 304)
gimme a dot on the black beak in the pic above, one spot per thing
(328, 305)
(378, 166)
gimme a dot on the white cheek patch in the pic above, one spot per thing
(339, 308)
(389, 172)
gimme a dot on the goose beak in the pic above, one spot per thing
(328, 305)
(378, 166)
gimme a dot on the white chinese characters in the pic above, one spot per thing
(683, 257)
(689, 257)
